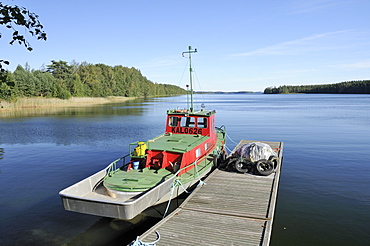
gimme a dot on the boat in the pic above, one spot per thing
(157, 170)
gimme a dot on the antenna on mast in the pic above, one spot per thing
(191, 76)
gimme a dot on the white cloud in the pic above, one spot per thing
(304, 6)
(315, 42)
(354, 66)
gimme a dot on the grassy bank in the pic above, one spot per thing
(40, 102)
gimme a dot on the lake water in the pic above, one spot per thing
(324, 194)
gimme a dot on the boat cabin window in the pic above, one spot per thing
(187, 122)
(206, 146)
(198, 152)
(173, 121)
(202, 122)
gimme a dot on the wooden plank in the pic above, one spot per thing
(234, 194)
(231, 209)
(189, 227)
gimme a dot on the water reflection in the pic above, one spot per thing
(1, 156)
(108, 231)
(84, 125)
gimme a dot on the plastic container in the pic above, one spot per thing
(140, 149)
(135, 165)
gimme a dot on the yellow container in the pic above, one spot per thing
(140, 149)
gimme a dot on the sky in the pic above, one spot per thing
(243, 45)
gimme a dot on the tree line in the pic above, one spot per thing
(61, 80)
(349, 87)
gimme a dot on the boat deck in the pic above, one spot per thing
(136, 180)
(231, 209)
(176, 143)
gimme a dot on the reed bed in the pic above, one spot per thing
(39, 102)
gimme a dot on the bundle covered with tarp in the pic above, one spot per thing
(255, 151)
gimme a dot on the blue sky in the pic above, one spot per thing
(242, 45)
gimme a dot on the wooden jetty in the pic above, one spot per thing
(231, 209)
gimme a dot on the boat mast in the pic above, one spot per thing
(191, 76)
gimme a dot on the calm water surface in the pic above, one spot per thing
(323, 199)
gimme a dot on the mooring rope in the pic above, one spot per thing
(228, 148)
(176, 181)
(200, 181)
(227, 135)
(137, 242)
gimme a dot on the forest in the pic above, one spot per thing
(349, 87)
(61, 80)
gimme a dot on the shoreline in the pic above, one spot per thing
(39, 102)
(30, 107)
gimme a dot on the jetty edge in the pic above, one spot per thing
(231, 209)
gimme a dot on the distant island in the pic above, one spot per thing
(349, 87)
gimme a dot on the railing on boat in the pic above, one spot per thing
(112, 167)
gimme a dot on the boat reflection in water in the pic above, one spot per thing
(109, 231)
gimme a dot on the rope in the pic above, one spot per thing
(231, 141)
(201, 183)
(137, 242)
(227, 135)
(176, 181)
(228, 148)
(200, 87)
(172, 102)
(181, 185)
